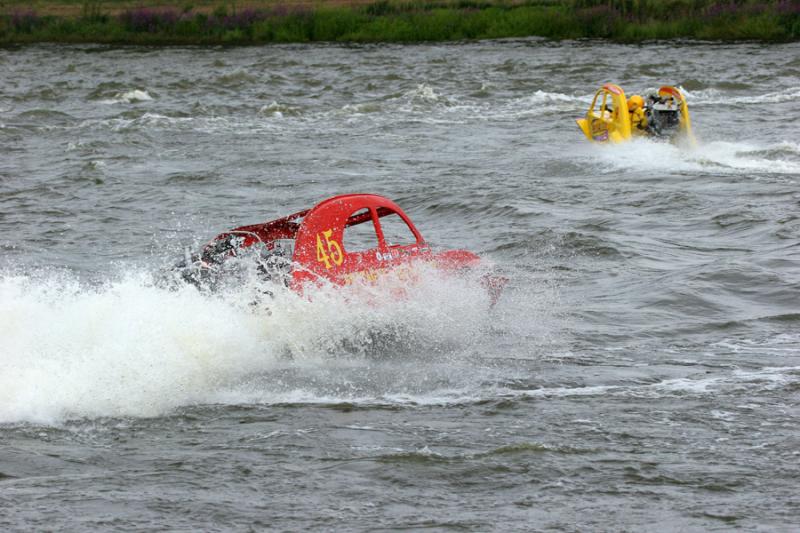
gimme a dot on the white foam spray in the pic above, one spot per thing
(715, 96)
(132, 348)
(718, 157)
(128, 97)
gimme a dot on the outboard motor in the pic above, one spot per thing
(663, 116)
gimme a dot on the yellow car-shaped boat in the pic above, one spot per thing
(608, 118)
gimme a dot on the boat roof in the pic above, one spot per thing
(341, 211)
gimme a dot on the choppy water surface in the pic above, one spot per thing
(641, 372)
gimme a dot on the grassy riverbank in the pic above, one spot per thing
(265, 21)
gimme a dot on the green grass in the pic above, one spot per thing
(412, 21)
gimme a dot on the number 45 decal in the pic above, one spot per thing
(328, 250)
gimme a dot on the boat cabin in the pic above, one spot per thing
(340, 240)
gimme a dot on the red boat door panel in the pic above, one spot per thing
(342, 235)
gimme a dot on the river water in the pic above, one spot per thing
(640, 372)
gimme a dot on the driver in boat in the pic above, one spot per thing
(636, 112)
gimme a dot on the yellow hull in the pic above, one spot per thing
(608, 119)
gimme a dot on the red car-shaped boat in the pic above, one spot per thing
(341, 240)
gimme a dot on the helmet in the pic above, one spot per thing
(634, 102)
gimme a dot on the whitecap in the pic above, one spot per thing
(723, 157)
(128, 97)
(714, 96)
(277, 110)
(544, 97)
(423, 92)
(700, 95)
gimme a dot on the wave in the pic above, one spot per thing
(426, 456)
(764, 379)
(45, 117)
(546, 103)
(737, 157)
(698, 95)
(719, 157)
(544, 97)
(236, 79)
(716, 96)
(277, 110)
(458, 110)
(423, 102)
(361, 109)
(128, 97)
(150, 121)
(131, 347)
(783, 150)
(424, 93)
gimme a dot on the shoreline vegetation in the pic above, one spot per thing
(243, 22)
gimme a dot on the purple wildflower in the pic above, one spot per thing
(25, 21)
(149, 20)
